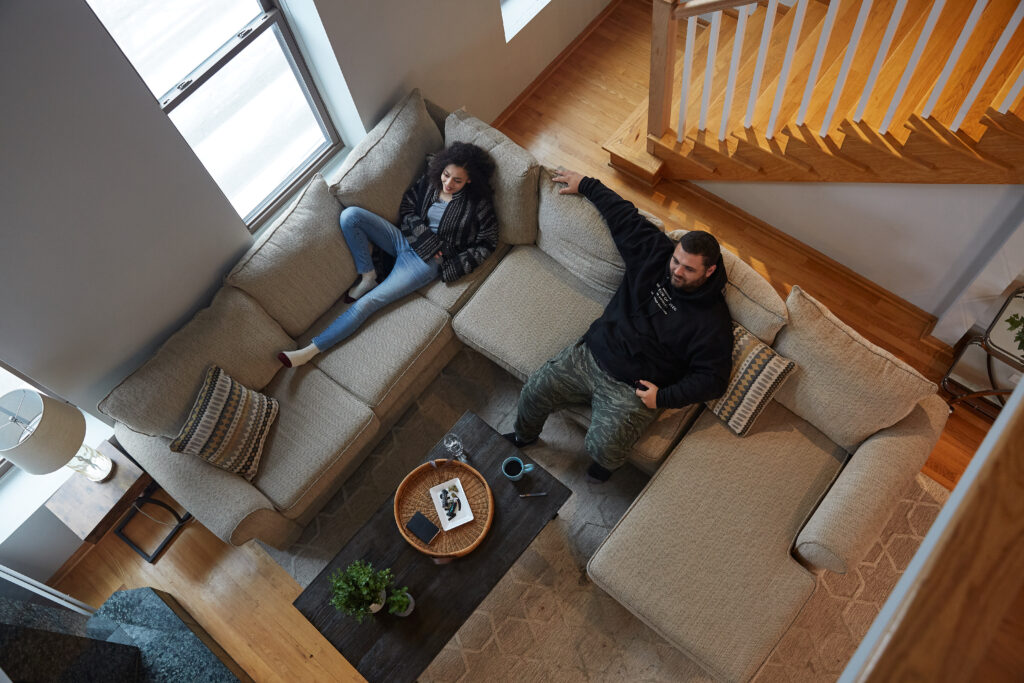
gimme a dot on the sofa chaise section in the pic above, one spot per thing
(717, 553)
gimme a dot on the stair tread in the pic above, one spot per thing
(780, 33)
(860, 69)
(842, 30)
(802, 59)
(993, 20)
(933, 58)
(745, 71)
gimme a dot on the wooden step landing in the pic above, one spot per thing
(627, 148)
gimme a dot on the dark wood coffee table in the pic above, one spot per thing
(389, 648)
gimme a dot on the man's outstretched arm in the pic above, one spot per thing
(628, 227)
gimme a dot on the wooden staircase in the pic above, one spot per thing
(908, 91)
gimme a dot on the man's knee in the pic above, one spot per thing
(608, 450)
(612, 435)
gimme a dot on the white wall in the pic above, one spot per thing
(454, 51)
(924, 243)
(112, 230)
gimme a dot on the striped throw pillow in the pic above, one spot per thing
(228, 425)
(757, 373)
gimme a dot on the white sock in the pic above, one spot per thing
(293, 359)
(368, 282)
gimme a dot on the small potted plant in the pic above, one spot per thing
(400, 602)
(359, 590)
(1016, 324)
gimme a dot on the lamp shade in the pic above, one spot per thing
(38, 433)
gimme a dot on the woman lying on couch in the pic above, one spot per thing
(447, 227)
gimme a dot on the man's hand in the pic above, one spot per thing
(570, 178)
(648, 394)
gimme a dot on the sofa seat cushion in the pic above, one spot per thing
(703, 554)
(659, 437)
(375, 362)
(843, 384)
(515, 175)
(573, 233)
(450, 296)
(233, 332)
(301, 264)
(321, 429)
(378, 170)
(527, 310)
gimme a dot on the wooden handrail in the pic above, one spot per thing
(692, 8)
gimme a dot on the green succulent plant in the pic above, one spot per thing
(357, 587)
(1016, 325)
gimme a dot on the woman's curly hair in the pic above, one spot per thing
(476, 161)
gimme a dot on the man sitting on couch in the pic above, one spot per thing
(663, 341)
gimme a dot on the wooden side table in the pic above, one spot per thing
(91, 509)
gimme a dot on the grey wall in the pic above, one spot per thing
(112, 230)
(38, 548)
(924, 243)
(454, 51)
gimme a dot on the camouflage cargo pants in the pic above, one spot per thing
(618, 416)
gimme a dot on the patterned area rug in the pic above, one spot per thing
(545, 620)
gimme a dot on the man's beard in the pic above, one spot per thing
(686, 286)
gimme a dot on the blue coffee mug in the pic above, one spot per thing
(514, 468)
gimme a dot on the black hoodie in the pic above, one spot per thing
(681, 341)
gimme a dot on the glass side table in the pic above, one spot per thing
(998, 343)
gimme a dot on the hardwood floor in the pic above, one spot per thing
(244, 599)
(238, 594)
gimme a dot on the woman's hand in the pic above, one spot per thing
(439, 256)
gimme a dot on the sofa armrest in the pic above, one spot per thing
(840, 531)
(226, 504)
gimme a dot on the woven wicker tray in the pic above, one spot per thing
(413, 496)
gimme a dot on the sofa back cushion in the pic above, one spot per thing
(301, 265)
(515, 176)
(233, 332)
(378, 170)
(843, 384)
(573, 233)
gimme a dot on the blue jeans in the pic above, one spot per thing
(361, 227)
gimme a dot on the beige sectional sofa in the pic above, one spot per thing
(716, 553)
(287, 287)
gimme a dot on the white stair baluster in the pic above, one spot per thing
(1011, 96)
(908, 72)
(958, 48)
(990, 64)
(794, 38)
(762, 55)
(734, 66)
(709, 72)
(684, 94)
(819, 56)
(883, 52)
(844, 70)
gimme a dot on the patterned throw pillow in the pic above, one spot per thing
(228, 425)
(757, 373)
